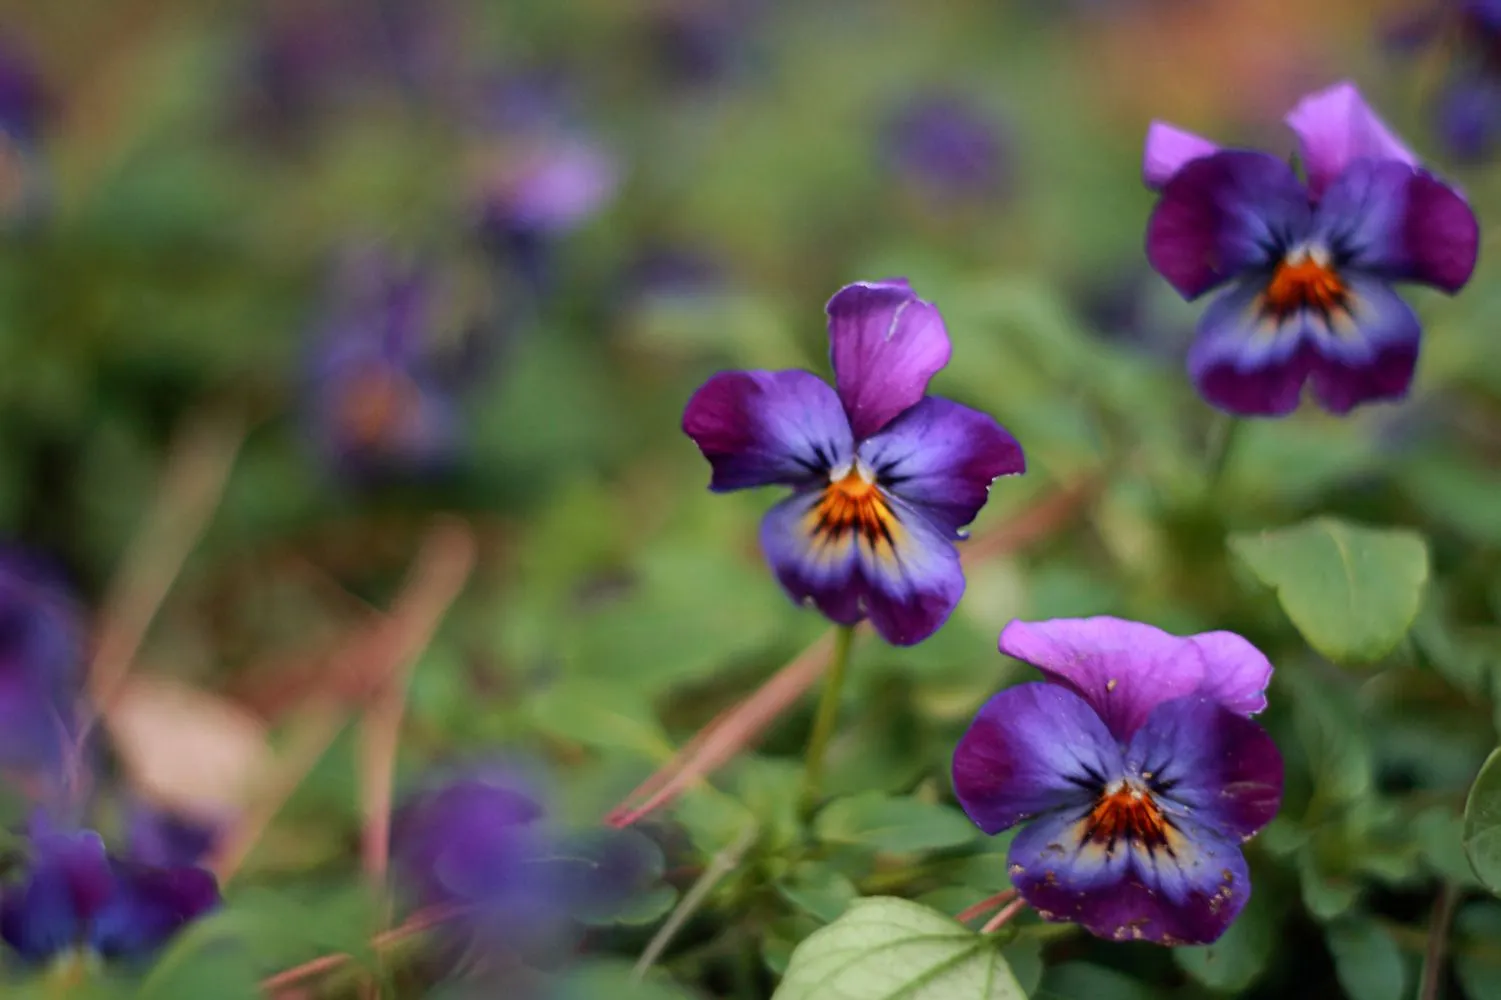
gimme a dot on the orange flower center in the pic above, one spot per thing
(373, 404)
(1305, 280)
(853, 503)
(1125, 811)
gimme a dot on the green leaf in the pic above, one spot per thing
(897, 825)
(1482, 829)
(1082, 981)
(1236, 960)
(614, 979)
(1352, 591)
(1366, 960)
(818, 890)
(894, 949)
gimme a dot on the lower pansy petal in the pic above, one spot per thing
(941, 457)
(1187, 892)
(1034, 748)
(1123, 669)
(813, 568)
(1206, 762)
(759, 428)
(1219, 215)
(1370, 353)
(912, 577)
(1245, 363)
(149, 906)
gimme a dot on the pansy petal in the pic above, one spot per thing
(1335, 128)
(885, 344)
(1400, 223)
(1188, 895)
(1236, 673)
(1031, 749)
(1221, 214)
(68, 884)
(941, 457)
(821, 571)
(759, 428)
(1209, 763)
(1370, 355)
(1167, 149)
(914, 582)
(150, 905)
(1246, 364)
(1124, 669)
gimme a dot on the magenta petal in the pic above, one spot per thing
(1126, 894)
(759, 428)
(1124, 669)
(885, 344)
(1167, 149)
(1033, 748)
(1335, 128)
(1218, 767)
(941, 457)
(1223, 214)
(1236, 673)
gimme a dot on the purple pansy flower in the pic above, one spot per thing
(77, 895)
(885, 475)
(1134, 771)
(947, 148)
(380, 404)
(1309, 263)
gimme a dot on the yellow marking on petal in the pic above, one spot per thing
(1304, 280)
(1125, 812)
(853, 507)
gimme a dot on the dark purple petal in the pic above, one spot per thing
(22, 102)
(1128, 893)
(941, 457)
(68, 884)
(1208, 763)
(1486, 14)
(1123, 669)
(885, 344)
(1222, 214)
(1032, 749)
(761, 428)
(1401, 223)
(1335, 128)
(166, 839)
(41, 657)
(907, 587)
(149, 906)
(1372, 356)
(1167, 149)
(1244, 364)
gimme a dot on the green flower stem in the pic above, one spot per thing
(1221, 445)
(828, 715)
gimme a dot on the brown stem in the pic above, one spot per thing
(984, 906)
(1436, 953)
(1000, 919)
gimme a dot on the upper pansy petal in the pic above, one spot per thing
(1236, 673)
(1127, 893)
(1209, 763)
(1031, 749)
(885, 344)
(1336, 127)
(758, 428)
(1124, 669)
(941, 457)
(1222, 214)
(1400, 223)
(1167, 149)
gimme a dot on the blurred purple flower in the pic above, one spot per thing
(696, 43)
(382, 402)
(480, 841)
(1137, 312)
(1134, 773)
(948, 148)
(1309, 264)
(24, 181)
(75, 895)
(166, 838)
(1468, 112)
(41, 661)
(885, 476)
